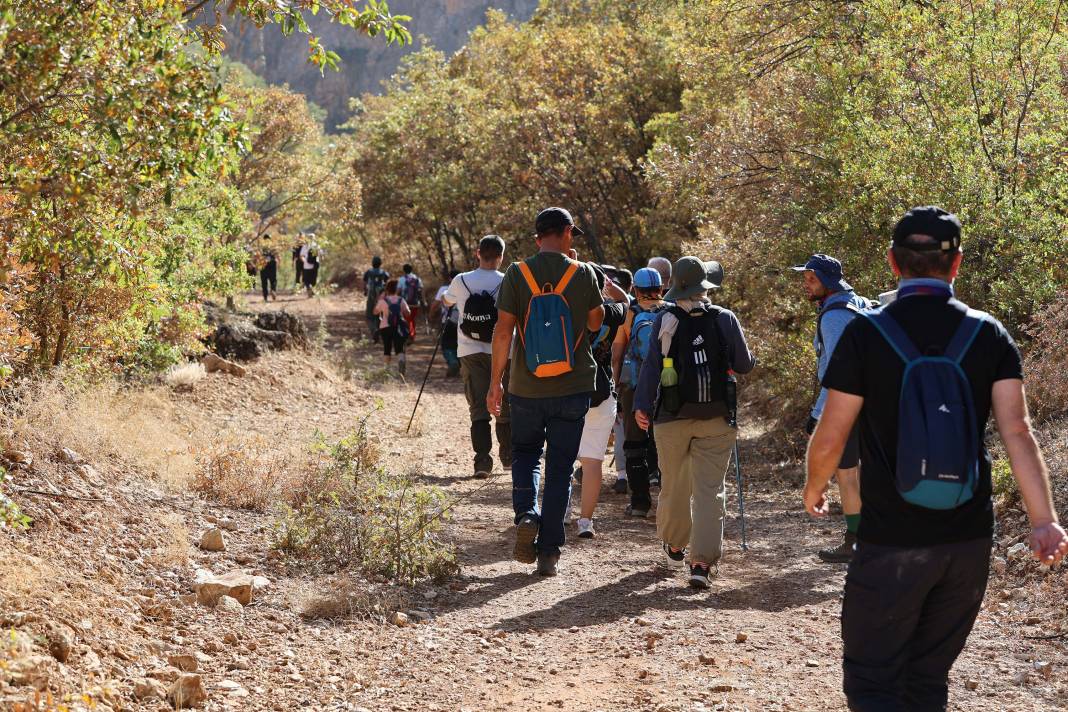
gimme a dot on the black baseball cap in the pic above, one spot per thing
(932, 221)
(553, 220)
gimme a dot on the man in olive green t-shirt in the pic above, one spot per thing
(548, 413)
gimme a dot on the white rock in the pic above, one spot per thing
(399, 619)
(211, 588)
(213, 540)
(69, 457)
(1017, 550)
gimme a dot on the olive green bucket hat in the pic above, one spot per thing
(691, 276)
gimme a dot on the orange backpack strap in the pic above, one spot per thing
(524, 269)
(566, 279)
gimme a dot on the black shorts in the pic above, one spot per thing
(851, 454)
(391, 342)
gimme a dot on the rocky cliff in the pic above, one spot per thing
(366, 62)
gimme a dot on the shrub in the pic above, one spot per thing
(1047, 377)
(184, 376)
(11, 517)
(349, 512)
(248, 474)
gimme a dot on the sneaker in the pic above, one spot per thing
(841, 554)
(525, 534)
(585, 528)
(620, 487)
(654, 480)
(632, 511)
(547, 564)
(699, 575)
(675, 557)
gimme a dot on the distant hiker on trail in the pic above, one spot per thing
(374, 283)
(410, 287)
(838, 305)
(392, 313)
(629, 350)
(663, 266)
(682, 387)
(450, 319)
(474, 294)
(603, 404)
(310, 256)
(298, 263)
(554, 301)
(268, 265)
(922, 375)
(624, 279)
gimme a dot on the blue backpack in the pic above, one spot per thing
(938, 439)
(547, 334)
(396, 319)
(641, 335)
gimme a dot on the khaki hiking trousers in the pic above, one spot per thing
(694, 456)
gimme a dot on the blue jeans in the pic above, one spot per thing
(535, 422)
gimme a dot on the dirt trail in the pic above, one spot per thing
(615, 630)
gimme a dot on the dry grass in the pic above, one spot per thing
(248, 473)
(342, 597)
(106, 424)
(176, 548)
(184, 376)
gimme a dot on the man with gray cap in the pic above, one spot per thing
(696, 344)
(838, 305)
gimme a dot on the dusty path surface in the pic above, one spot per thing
(616, 630)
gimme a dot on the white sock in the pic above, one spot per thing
(585, 522)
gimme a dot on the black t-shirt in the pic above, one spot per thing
(864, 364)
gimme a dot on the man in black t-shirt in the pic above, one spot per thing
(918, 578)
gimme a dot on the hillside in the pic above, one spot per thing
(366, 62)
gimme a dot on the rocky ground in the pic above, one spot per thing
(99, 600)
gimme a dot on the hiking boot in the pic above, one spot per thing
(482, 475)
(841, 554)
(620, 487)
(402, 364)
(525, 534)
(654, 479)
(585, 528)
(699, 575)
(675, 557)
(632, 511)
(547, 563)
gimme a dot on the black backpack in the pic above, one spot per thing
(480, 314)
(700, 354)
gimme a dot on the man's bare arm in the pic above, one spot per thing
(827, 445)
(1048, 540)
(595, 318)
(502, 342)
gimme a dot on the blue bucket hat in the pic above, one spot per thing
(828, 270)
(647, 278)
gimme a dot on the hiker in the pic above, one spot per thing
(629, 351)
(474, 294)
(663, 266)
(624, 279)
(838, 305)
(410, 287)
(392, 313)
(374, 282)
(268, 266)
(450, 317)
(698, 343)
(922, 376)
(601, 417)
(298, 263)
(552, 376)
(310, 255)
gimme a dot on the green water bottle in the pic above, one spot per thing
(670, 399)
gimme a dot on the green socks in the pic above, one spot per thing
(852, 523)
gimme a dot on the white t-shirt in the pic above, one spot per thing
(473, 282)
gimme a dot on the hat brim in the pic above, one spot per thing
(676, 293)
(576, 230)
(800, 268)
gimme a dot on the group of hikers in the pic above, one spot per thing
(306, 256)
(557, 354)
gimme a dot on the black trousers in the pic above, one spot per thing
(906, 616)
(268, 280)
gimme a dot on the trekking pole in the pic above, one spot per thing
(430, 365)
(741, 495)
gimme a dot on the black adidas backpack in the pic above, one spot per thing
(480, 314)
(700, 354)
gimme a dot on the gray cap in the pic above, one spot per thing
(689, 278)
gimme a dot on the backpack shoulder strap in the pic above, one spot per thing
(464, 282)
(566, 279)
(965, 335)
(894, 335)
(524, 269)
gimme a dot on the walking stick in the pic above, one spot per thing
(741, 495)
(430, 365)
